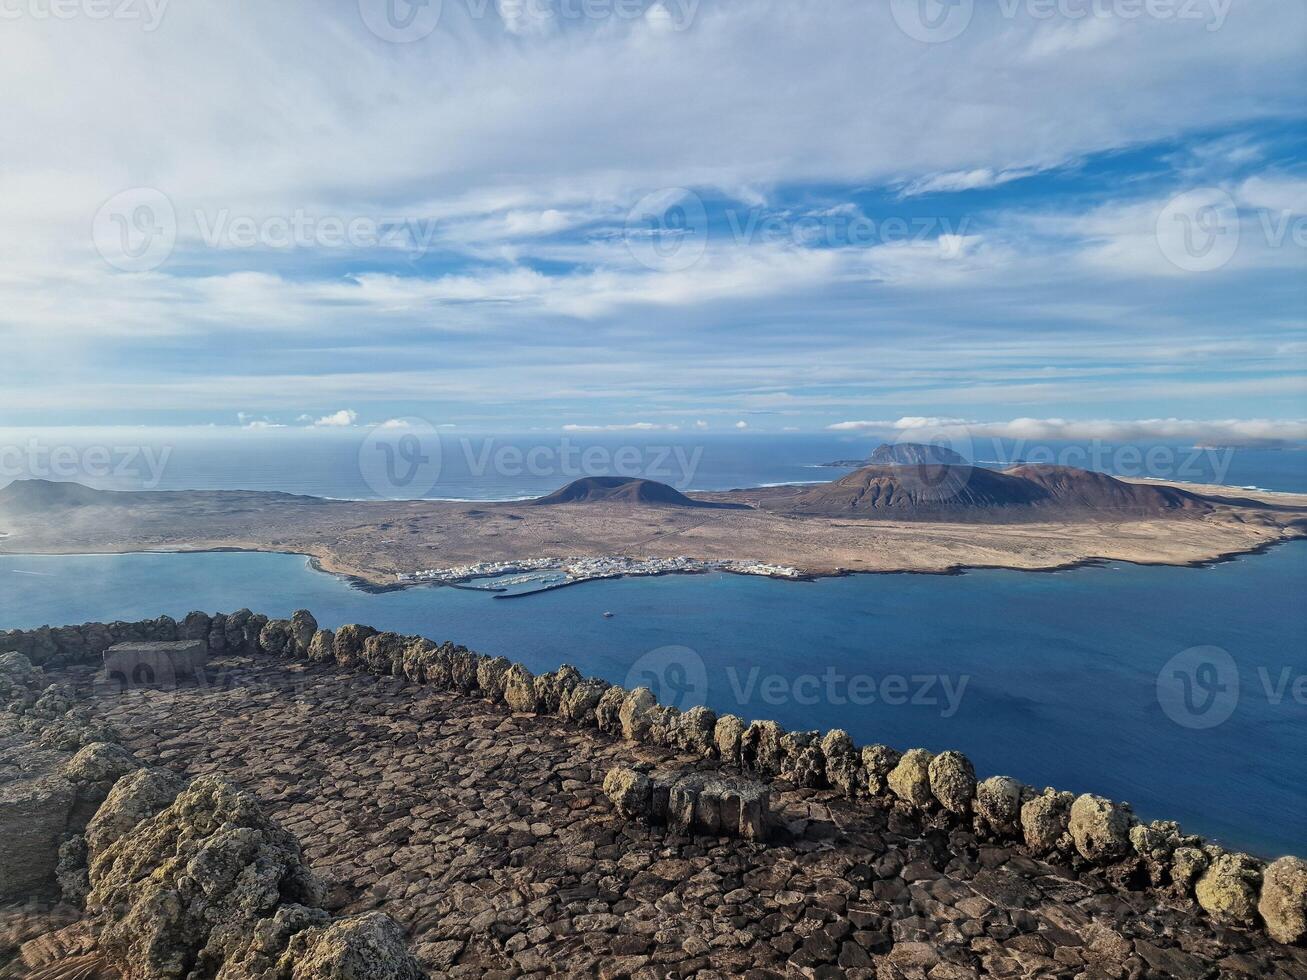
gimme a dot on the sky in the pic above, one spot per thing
(1071, 217)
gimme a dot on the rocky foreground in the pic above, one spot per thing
(373, 805)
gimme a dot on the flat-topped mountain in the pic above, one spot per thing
(623, 490)
(35, 496)
(966, 492)
(914, 454)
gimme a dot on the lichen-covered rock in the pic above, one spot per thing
(760, 748)
(910, 779)
(265, 955)
(844, 769)
(427, 663)
(1100, 828)
(1227, 891)
(664, 726)
(998, 805)
(34, 815)
(99, 762)
(322, 647)
(348, 647)
(277, 639)
(953, 781)
(520, 689)
(1283, 903)
(362, 947)
(195, 626)
(1045, 819)
(879, 761)
(303, 627)
(70, 870)
(383, 654)
(695, 731)
(727, 736)
(492, 674)
(579, 704)
(185, 890)
(608, 712)
(463, 665)
(552, 688)
(636, 714)
(75, 730)
(135, 797)
(802, 762)
(1156, 844)
(1187, 864)
(630, 792)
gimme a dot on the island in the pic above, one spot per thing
(930, 518)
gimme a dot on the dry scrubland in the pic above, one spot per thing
(376, 540)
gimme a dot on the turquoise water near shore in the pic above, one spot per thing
(1053, 678)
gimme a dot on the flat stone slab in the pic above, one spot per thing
(716, 804)
(155, 664)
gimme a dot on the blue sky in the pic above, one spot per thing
(717, 215)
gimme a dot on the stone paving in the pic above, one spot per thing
(488, 836)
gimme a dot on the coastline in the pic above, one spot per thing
(364, 583)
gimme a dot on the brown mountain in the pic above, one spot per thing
(972, 492)
(624, 490)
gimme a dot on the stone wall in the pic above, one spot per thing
(1234, 889)
(176, 880)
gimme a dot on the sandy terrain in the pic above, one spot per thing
(376, 540)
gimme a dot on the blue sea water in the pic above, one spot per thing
(346, 463)
(1075, 679)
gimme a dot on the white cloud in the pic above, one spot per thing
(741, 424)
(342, 419)
(1212, 432)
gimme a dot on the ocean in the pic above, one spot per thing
(370, 463)
(1181, 690)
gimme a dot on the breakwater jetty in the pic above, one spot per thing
(463, 798)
